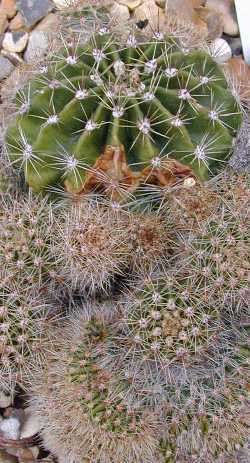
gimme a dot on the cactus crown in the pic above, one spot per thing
(113, 114)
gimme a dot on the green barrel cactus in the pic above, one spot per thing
(112, 114)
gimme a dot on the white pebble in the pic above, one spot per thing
(10, 428)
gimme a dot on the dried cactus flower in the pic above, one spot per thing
(95, 243)
(87, 411)
(110, 115)
(22, 331)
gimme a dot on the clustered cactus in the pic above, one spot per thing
(24, 236)
(94, 242)
(147, 264)
(22, 331)
(107, 115)
(158, 377)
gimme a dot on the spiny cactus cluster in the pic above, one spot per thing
(24, 240)
(149, 361)
(83, 383)
(110, 115)
(213, 242)
(161, 371)
(156, 378)
(95, 242)
(22, 331)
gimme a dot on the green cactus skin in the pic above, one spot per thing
(155, 99)
(22, 322)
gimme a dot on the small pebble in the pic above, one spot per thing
(119, 12)
(9, 6)
(37, 46)
(10, 428)
(226, 9)
(17, 22)
(155, 16)
(61, 3)
(31, 425)
(213, 20)
(131, 4)
(5, 67)
(49, 24)
(161, 3)
(15, 41)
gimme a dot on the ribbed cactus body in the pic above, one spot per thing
(95, 244)
(118, 111)
(157, 376)
(98, 419)
(22, 317)
(25, 231)
(191, 356)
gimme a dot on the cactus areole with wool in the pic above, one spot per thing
(123, 114)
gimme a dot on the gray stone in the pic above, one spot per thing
(37, 46)
(5, 67)
(34, 10)
(235, 44)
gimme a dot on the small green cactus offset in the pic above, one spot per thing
(112, 114)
